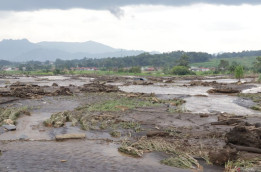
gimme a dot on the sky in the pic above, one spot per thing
(150, 25)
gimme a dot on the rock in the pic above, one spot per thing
(204, 115)
(55, 85)
(245, 136)
(10, 127)
(9, 122)
(220, 157)
(258, 125)
(23, 137)
(70, 136)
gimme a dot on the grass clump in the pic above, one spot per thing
(12, 114)
(181, 161)
(176, 159)
(115, 134)
(241, 165)
(130, 151)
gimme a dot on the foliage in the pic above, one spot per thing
(181, 70)
(257, 65)
(223, 65)
(135, 69)
(11, 113)
(233, 66)
(240, 54)
(243, 61)
(181, 161)
(239, 72)
(144, 59)
(183, 61)
(259, 78)
(240, 165)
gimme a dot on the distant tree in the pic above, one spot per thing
(233, 66)
(223, 65)
(257, 65)
(181, 70)
(135, 69)
(183, 61)
(239, 72)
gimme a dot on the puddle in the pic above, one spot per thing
(31, 127)
(198, 104)
(166, 90)
(217, 103)
(256, 89)
(47, 80)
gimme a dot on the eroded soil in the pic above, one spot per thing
(170, 124)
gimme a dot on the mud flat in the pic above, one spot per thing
(170, 124)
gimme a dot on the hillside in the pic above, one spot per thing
(23, 50)
(245, 61)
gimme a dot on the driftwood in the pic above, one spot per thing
(157, 133)
(245, 148)
(70, 136)
(230, 121)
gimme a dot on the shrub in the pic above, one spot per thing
(181, 70)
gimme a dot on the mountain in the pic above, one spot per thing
(23, 50)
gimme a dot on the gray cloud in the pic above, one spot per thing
(112, 5)
(117, 12)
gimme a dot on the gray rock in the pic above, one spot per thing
(10, 127)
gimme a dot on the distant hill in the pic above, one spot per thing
(23, 50)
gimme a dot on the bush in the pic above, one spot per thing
(181, 70)
(136, 69)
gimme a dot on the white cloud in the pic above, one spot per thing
(200, 27)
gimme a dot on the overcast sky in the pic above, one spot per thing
(151, 25)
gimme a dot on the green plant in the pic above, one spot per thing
(239, 72)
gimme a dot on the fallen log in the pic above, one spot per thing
(245, 148)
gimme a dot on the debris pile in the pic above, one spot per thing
(225, 90)
(63, 91)
(249, 136)
(99, 87)
(23, 90)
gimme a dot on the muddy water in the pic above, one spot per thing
(31, 127)
(216, 103)
(197, 104)
(166, 90)
(47, 80)
(79, 156)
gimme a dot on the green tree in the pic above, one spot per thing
(135, 69)
(183, 61)
(181, 70)
(233, 66)
(239, 72)
(257, 65)
(223, 65)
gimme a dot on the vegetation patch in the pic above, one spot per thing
(10, 115)
(177, 157)
(256, 97)
(181, 161)
(242, 165)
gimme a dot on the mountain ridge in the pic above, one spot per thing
(24, 50)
